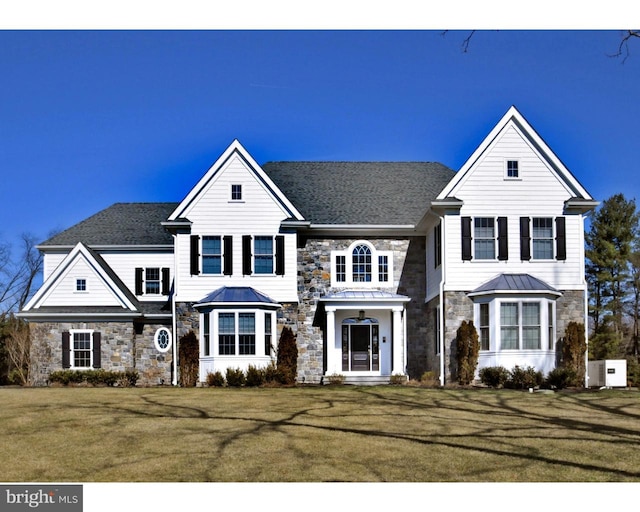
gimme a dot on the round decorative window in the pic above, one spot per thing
(162, 339)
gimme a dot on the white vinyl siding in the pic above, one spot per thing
(538, 193)
(258, 215)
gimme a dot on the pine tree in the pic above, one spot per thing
(609, 245)
(468, 348)
(287, 362)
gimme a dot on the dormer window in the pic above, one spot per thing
(236, 192)
(512, 170)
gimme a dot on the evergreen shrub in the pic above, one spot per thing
(468, 349)
(215, 379)
(494, 376)
(235, 377)
(287, 361)
(255, 376)
(561, 378)
(524, 378)
(189, 360)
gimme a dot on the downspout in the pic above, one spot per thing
(174, 322)
(443, 269)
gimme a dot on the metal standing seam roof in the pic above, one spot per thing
(347, 295)
(515, 283)
(236, 294)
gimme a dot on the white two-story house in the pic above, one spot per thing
(374, 265)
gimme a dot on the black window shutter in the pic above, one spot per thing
(66, 349)
(228, 255)
(97, 356)
(466, 238)
(246, 255)
(280, 255)
(139, 274)
(561, 239)
(166, 281)
(525, 239)
(195, 255)
(503, 241)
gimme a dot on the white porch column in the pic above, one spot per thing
(331, 341)
(398, 342)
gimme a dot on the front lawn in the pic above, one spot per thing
(316, 434)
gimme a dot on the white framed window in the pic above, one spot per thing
(542, 238)
(152, 281)
(516, 324)
(263, 255)
(512, 171)
(212, 255)
(485, 327)
(162, 339)
(81, 285)
(484, 236)
(361, 265)
(235, 332)
(81, 349)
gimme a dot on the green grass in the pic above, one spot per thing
(315, 434)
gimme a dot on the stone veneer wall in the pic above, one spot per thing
(121, 349)
(314, 282)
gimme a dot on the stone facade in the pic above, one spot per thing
(123, 347)
(314, 282)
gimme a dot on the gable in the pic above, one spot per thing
(213, 197)
(484, 174)
(100, 287)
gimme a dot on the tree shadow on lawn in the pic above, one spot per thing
(498, 425)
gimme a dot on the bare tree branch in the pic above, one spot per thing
(623, 47)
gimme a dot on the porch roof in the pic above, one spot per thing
(364, 295)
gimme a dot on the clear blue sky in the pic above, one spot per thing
(89, 118)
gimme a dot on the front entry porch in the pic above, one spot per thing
(365, 334)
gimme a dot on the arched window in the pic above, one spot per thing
(361, 264)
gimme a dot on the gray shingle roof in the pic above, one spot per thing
(120, 224)
(383, 193)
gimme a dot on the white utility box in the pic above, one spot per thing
(608, 373)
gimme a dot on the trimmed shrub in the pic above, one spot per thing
(574, 347)
(336, 379)
(287, 361)
(271, 374)
(468, 348)
(561, 378)
(94, 377)
(255, 376)
(189, 360)
(215, 379)
(235, 377)
(494, 376)
(524, 378)
(430, 379)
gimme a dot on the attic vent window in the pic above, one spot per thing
(236, 192)
(512, 170)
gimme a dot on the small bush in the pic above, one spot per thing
(255, 376)
(271, 374)
(494, 376)
(430, 379)
(235, 377)
(397, 379)
(524, 378)
(215, 379)
(336, 379)
(561, 378)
